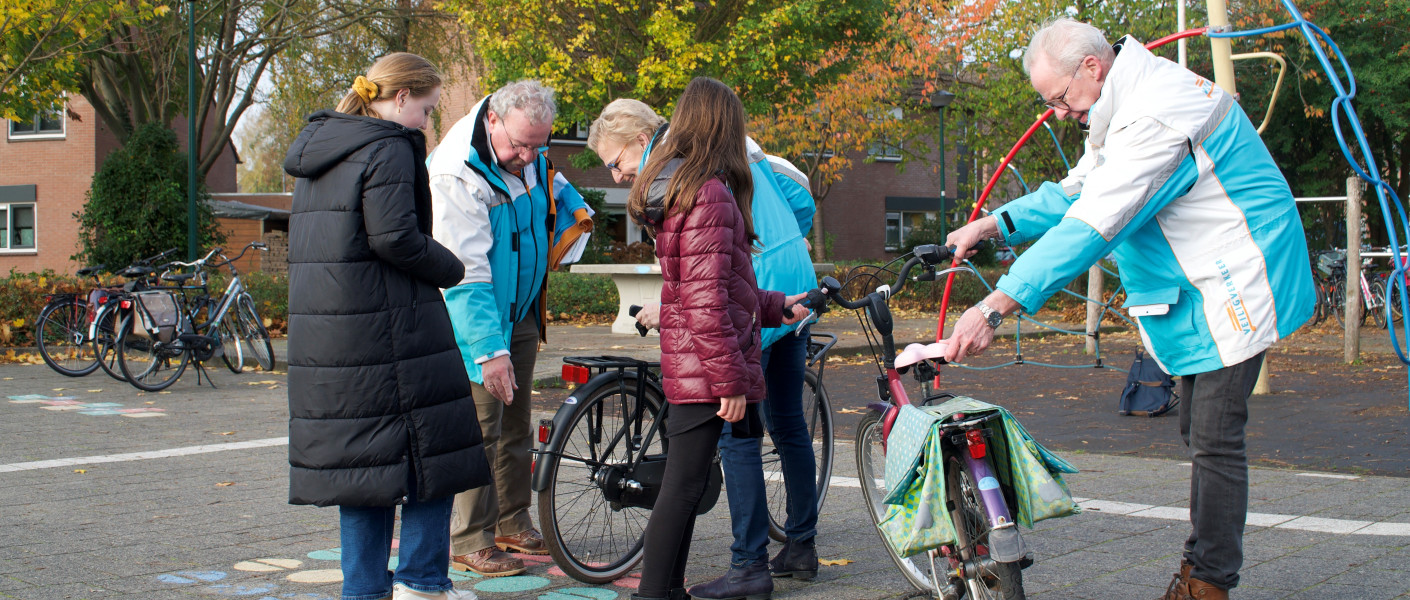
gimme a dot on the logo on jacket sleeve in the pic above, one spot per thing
(1234, 305)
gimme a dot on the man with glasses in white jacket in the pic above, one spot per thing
(1177, 185)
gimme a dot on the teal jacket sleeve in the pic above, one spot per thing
(799, 200)
(568, 200)
(1028, 218)
(474, 314)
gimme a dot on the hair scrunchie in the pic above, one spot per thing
(365, 89)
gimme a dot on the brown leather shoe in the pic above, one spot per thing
(1179, 588)
(1199, 590)
(489, 562)
(528, 542)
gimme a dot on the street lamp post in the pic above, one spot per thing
(191, 144)
(940, 100)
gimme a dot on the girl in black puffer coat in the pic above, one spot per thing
(380, 412)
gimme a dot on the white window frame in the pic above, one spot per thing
(7, 215)
(901, 227)
(62, 133)
(882, 150)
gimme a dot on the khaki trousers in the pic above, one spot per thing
(480, 514)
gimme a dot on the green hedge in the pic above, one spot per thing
(579, 295)
(23, 295)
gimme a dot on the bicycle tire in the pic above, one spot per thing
(253, 332)
(919, 570)
(1319, 308)
(230, 352)
(148, 364)
(1376, 301)
(60, 335)
(818, 415)
(1338, 301)
(105, 341)
(1003, 581)
(1393, 292)
(580, 526)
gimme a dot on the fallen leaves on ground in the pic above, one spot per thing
(835, 562)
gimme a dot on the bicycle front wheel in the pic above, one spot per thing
(922, 571)
(62, 337)
(149, 365)
(817, 413)
(993, 580)
(591, 538)
(253, 332)
(1375, 303)
(230, 352)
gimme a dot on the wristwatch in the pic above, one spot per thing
(991, 317)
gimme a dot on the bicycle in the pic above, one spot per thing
(601, 457)
(162, 334)
(988, 555)
(1331, 290)
(68, 324)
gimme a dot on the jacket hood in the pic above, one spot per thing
(331, 137)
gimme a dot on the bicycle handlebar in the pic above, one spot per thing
(831, 289)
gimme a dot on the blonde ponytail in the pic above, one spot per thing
(388, 76)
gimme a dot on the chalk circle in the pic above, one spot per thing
(317, 576)
(579, 594)
(333, 554)
(191, 576)
(518, 583)
(267, 565)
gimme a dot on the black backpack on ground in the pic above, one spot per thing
(1149, 391)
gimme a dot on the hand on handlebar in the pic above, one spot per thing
(968, 239)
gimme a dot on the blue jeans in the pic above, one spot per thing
(782, 412)
(422, 561)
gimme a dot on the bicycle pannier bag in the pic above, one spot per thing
(158, 314)
(1149, 391)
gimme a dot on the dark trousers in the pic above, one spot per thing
(672, 521)
(1212, 419)
(782, 410)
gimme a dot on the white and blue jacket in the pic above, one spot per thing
(782, 211)
(502, 227)
(1177, 185)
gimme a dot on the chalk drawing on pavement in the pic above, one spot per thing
(95, 409)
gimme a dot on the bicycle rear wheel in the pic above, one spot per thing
(590, 538)
(923, 571)
(817, 413)
(1338, 301)
(1319, 309)
(994, 580)
(253, 332)
(61, 335)
(1393, 292)
(1375, 304)
(105, 341)
(149, 365)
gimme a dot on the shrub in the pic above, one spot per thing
(573, 296)
(137, 204)
(23, 295)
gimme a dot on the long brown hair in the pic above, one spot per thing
(390, 74)
(707, 134)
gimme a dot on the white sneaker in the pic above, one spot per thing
(401, 592)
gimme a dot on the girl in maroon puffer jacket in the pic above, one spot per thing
(694, 194)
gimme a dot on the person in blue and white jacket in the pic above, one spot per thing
(1176, 184)
(500, 207)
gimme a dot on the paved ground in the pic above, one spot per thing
(112, 493)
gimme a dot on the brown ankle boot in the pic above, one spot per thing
(1179, 588)
(1200, 590)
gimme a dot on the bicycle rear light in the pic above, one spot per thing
(975, 438)
(125, 304)
(545, 429)
(576, 374)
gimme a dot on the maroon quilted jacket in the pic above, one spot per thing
(711, 307)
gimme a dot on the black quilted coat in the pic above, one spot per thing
(379, 400)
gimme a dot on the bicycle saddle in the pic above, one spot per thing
(136, 272)
(915, 353)
(86, 271)
(178, 277)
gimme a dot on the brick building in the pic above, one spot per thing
(46, 166)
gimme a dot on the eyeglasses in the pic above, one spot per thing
(1060, 102)
(521, 147)
(615, 165)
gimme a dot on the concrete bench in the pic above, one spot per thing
(639, 284)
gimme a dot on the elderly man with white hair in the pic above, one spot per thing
(498, 204)
(1177, 185)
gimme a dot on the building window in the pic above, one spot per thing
(899, 225)
(43, 125)
(16, 226)
(884, 149)
(572, 135)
